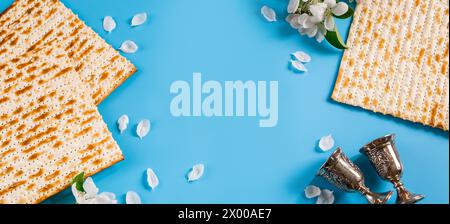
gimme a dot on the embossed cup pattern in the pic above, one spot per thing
(383, 155)
(344, 174)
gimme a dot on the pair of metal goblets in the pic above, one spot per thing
(383, 155)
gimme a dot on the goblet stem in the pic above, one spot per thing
(404, 196)
(374, 198)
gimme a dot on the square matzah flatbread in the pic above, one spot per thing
(398, 60)
(50, 129)
(27, 24)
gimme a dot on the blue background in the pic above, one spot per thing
(229, 40)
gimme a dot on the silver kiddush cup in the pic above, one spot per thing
(384, 156)
(340, 171)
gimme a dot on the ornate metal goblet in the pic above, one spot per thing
(384, 156)
(341, 172)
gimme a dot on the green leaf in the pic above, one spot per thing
(79, 180)
(346, 15)
(335, 39)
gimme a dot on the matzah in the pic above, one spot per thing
(27, 24)
(398, 60)
(50, 129)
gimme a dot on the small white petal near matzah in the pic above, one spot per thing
(132, 198)
(139, 19)
(143, 128)
(109, 24)
(129, 47)
(122, 123)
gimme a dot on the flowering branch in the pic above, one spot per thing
(315, 18)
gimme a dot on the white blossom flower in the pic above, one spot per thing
(91, 196)
(293, 6)
(337, 9)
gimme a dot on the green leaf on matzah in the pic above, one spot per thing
(79, 180)
(346, 15)
(335, 39)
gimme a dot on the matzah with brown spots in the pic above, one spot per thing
(27, 24)
(398, 60)
(50, 129)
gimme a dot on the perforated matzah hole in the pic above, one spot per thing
(28, 24)
(50, 129)
(398, 62)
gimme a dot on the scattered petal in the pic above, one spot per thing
(312, 191)
(298, 66)
(143, 128)
(90, 188)
(129, 47)
(340, 9)
(326, 143)
(122, 123)
(196, 172)
(109, 24)
(132, 198)
(293, 6)
(301, 56)
(325, 197)
(139, 19)
(269, 14)
(152, 179)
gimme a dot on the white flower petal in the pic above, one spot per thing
(152, 179)
(139, 19)
(196, 172)
(105, 198)
(269, 14)
(325, 197)
(298, 66)
(90, 188)
(109, 24)
(302, 56)
(307, 23)
(302, 19)
(132, 198)
(122, 123)
(302, 31)
(320, 37)
(312, 191)
(311, 32)
(318, 11)
(293, 6)
(329, 23)
(143, 128)
(326, 143)
(340, 9)
(78, 195)
(108, 195)
(129, 47)
(330, 3)
(289, 17)
(294, 21)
